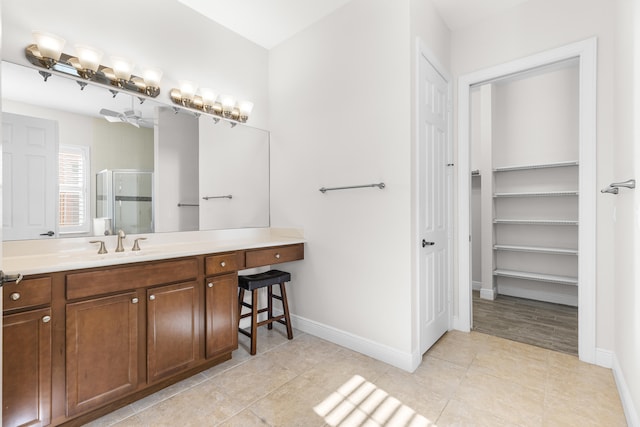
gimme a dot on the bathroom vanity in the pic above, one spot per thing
(86, 333)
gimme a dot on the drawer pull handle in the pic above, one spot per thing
(152, 297)
(210, 285)
(223, 264)
(277, 256)
(46, 319)
(134, 300)
(14, 296)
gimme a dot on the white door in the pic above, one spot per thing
(30, 177)
(433, 222)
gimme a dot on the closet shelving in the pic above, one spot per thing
(537, 194)
(535, 221)
(536, 249)
(523, 245)
(553, 278)
(536, 166)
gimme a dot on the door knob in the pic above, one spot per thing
(425, 243)
(48, 233)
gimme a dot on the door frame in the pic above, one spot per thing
(423, 51)
(586, 52)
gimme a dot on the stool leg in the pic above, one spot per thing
(240, 299)
(285, 306)
(270, 306)
(254, 320)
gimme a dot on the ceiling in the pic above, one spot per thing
(270, 22)
(265, 22)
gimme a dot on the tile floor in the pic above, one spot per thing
(547, 325)
(464, 380)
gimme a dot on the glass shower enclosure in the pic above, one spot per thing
(125, 197)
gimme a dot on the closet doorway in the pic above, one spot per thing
(524, 206)
(532, 185)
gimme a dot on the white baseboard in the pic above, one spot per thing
(604, 358)
(539, 295)
(490, 294)
(406, 361)
(476, 286)
(458, 325)
(630, 411)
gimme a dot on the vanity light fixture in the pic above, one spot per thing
(209, 101)
(244, 108)
(205, 100)
(121, 69)
(47, 53)
(228, 103)
(89, 59)
(50, 47)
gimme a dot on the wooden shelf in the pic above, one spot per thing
(539, 277)
(535, 222)
(537, 166)
(536, 249)
(537, 194)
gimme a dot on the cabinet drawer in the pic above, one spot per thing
(28, 293)
(80, 285)
(225, 263)
(276, 255)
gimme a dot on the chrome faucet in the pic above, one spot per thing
(121, 236)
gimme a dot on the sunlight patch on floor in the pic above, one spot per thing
(361, 403)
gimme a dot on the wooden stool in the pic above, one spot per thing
(254, 282)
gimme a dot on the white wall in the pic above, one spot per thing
(167, 35)
(627, 206)
(540, 25)
(341, 115)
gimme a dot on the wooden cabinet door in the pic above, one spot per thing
(102, 351)
(221, 314)
(26, 368)
(172, 329)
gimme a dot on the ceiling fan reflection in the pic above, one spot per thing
(133, 117)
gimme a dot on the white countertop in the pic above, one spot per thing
(48, 256)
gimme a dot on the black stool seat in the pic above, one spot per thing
(252, 283)
(260, 280)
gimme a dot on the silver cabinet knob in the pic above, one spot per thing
(14, 296)
(134, 300)
(223, 264)
(277, 256)
(152, 297)
(46, 319)
(210, 285)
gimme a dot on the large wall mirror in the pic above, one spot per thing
(81, 162)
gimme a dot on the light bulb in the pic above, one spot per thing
(49, 45)
(122, 68)
(89, 57)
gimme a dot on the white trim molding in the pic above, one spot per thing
(604, 358)
(390, 355)
(585, 51)
(630, 411)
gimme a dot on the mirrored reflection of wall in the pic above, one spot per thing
(177, 171)
(232, 162)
